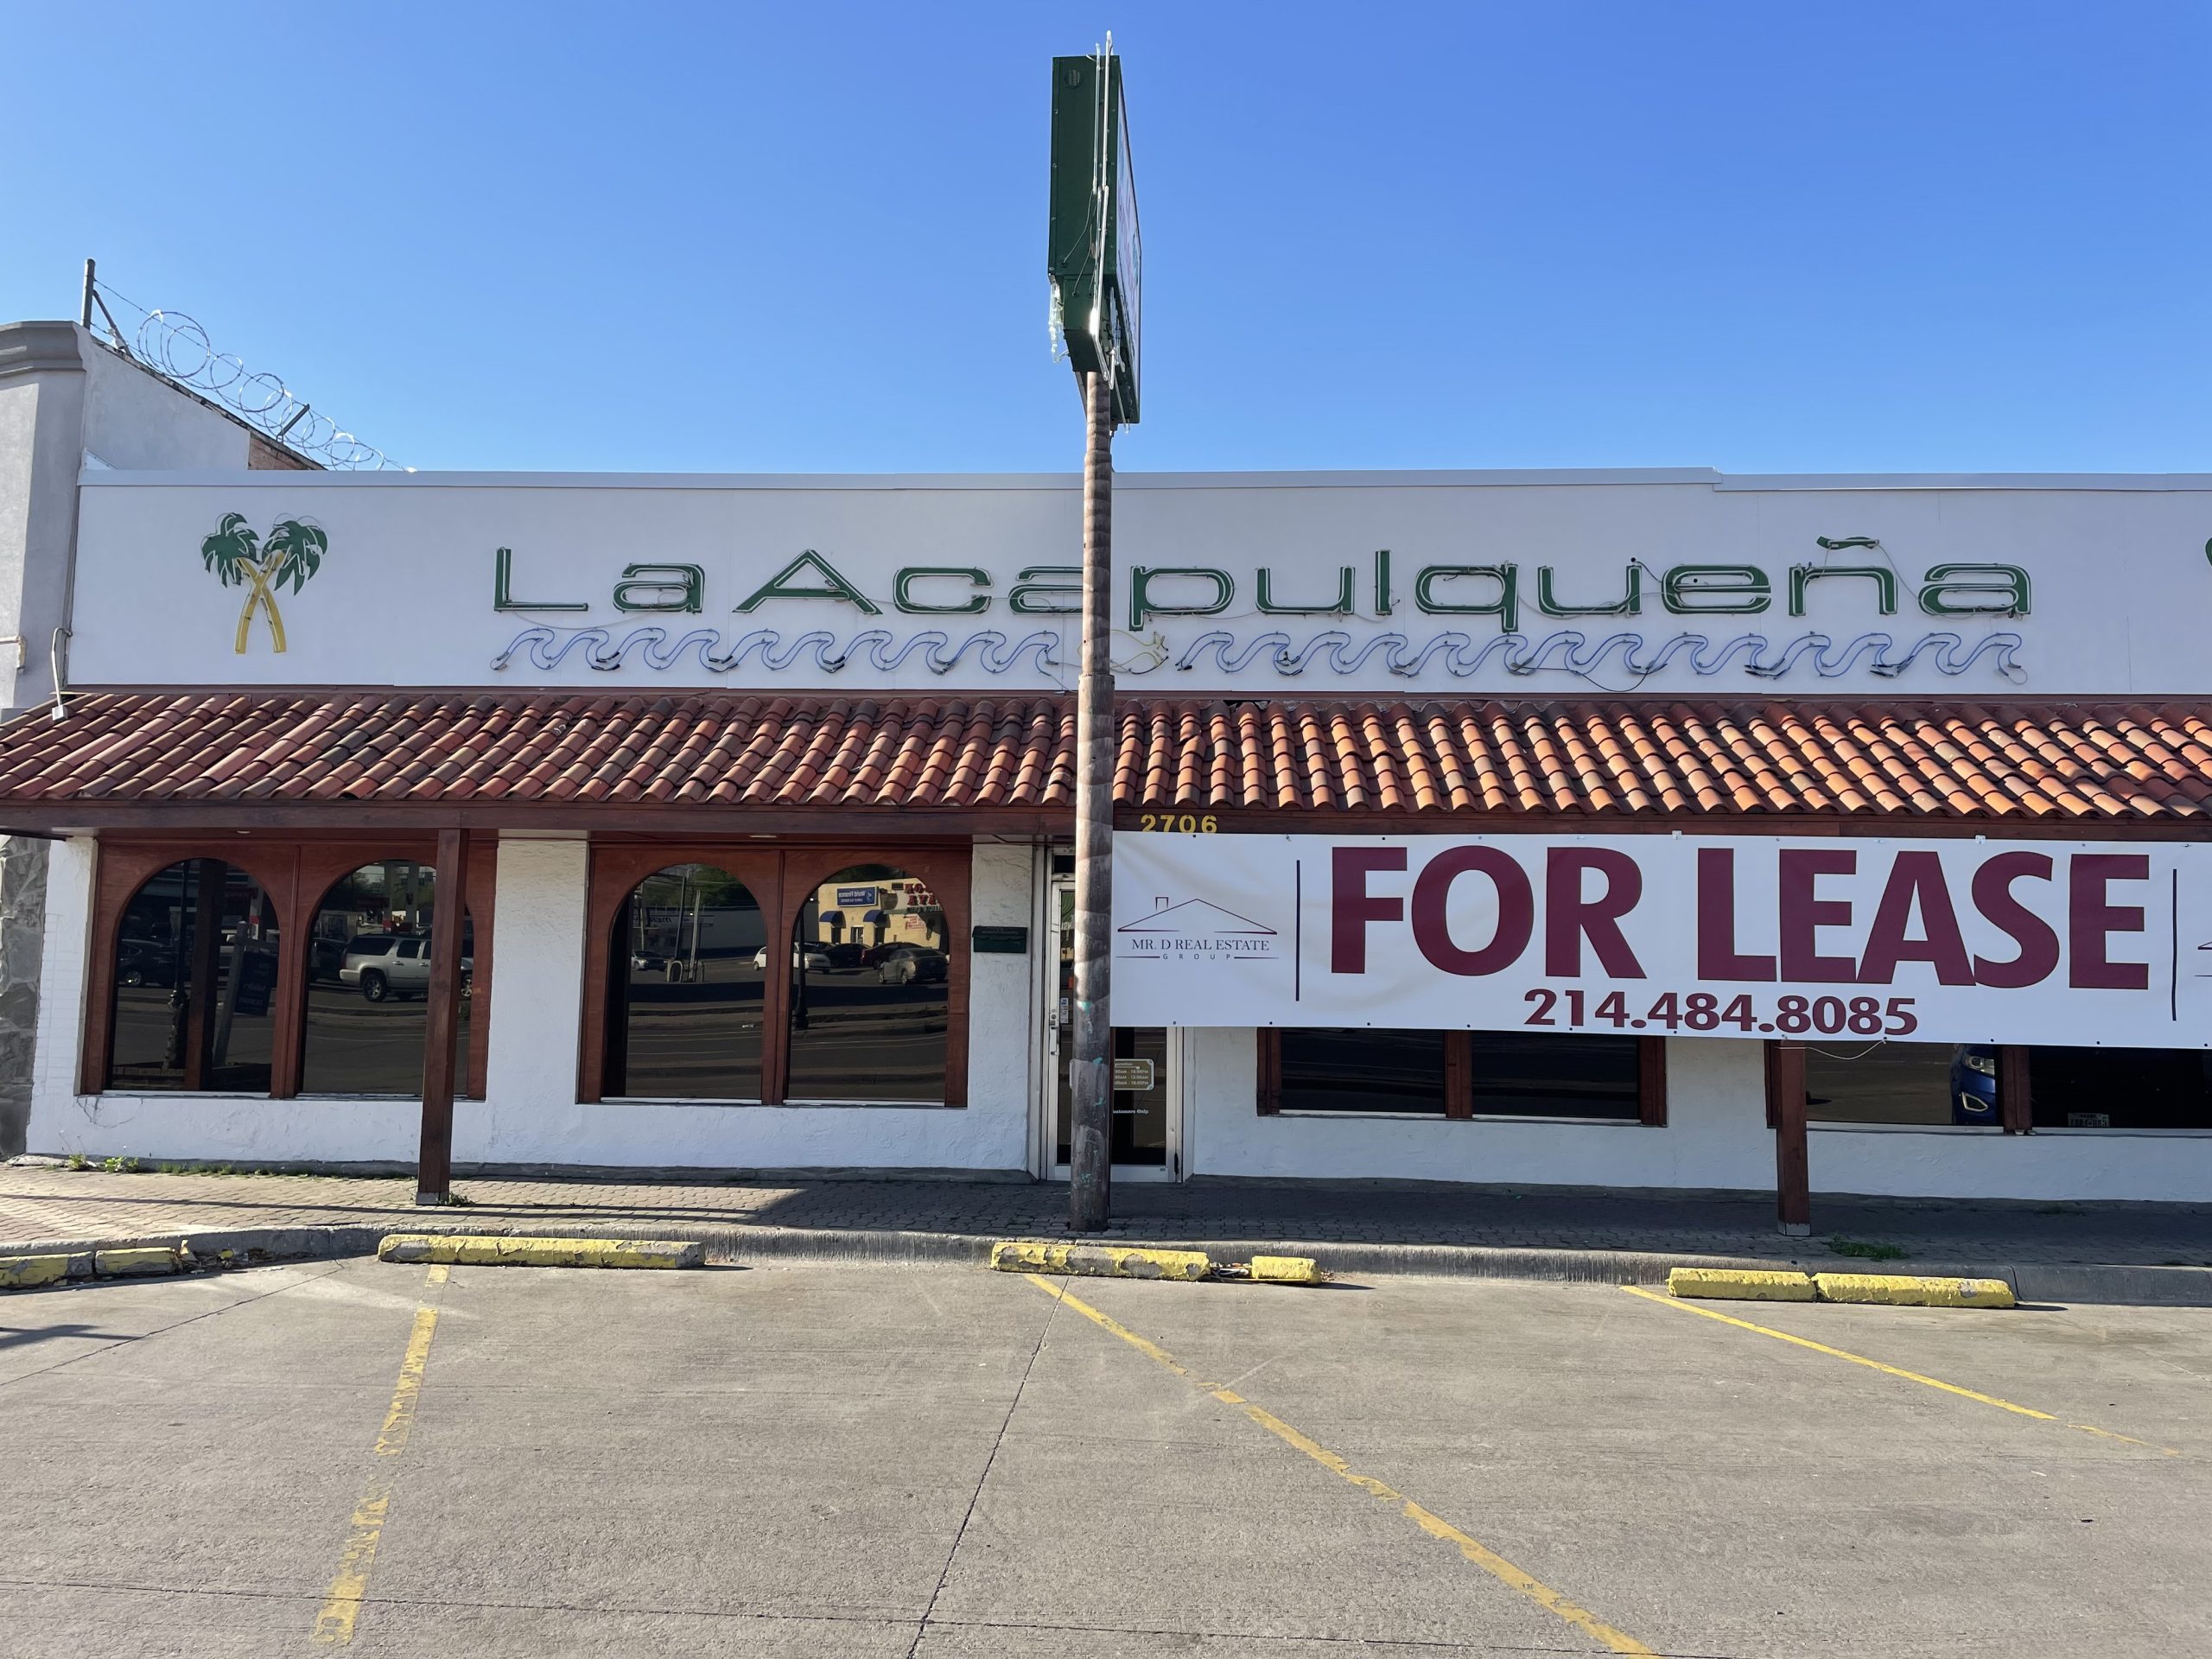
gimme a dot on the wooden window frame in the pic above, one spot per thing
(295, 875)
(780, 879)
(1459, 1078)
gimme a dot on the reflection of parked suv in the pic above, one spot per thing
(908, 963)
(386, 965)
(145, 961)
(813, 958)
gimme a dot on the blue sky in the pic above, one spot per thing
(721, 237)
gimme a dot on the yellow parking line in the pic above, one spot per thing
(341, 1607)
(1888, 1370)
(1434, 1525)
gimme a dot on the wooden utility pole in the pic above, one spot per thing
(1091, 1072)
(441, 1042)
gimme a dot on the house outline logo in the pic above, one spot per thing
(1197, 929)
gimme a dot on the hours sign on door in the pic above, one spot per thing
(1917, 940)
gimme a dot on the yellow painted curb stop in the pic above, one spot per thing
(1099, 1260)
(463, 1249)
(1742, 1285)
(131, 1263)
(1288, 1270)
(1901, 1290)
(1144, 1261)
(23, 1272)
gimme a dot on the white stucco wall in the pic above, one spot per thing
(135, 419)
(1716, 1137)
(530, 1114)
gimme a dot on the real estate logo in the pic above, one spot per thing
(238, 557)
(1197, 929)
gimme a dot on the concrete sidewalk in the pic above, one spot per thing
(2159, 1253)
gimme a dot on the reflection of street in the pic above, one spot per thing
(355, 1046)
(147, 1035)
(864, 1041)
(696, 1039)
(1880, 1082)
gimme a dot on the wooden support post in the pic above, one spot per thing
(441, 1042)
(2015, 1095)
(1785, 1103)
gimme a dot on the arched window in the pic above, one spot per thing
(369, 983)
(869, 1000)
(195, 971)
(685, 976)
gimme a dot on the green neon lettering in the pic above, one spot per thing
(832, 586)
(1341, 608)
(1029, 594)
(902, 597)
(1630, 604)
(1140, 601)
(1715, 590)
(1506, 607)
(1803, 577)
(660, 588)
(503, 598)
(1988, 590)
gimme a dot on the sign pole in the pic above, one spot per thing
(1091, 1073)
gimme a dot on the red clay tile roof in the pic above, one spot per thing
(1472, 759)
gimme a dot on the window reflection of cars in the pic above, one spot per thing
(145, 961)
(816, 960)
(388, 965)
(909, 964)
(1974, 1083)
(846, 958)
(325, 957)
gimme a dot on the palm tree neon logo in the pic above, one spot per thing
(238, 557)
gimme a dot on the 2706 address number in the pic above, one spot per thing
(1862, 1016)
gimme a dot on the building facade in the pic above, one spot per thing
(759, 795)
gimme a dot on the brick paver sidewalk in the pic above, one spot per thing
(46, 1203)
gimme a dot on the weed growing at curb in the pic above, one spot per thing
(120, 1166)
(78, 1160)
(1866, 1249)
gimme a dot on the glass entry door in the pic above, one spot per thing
(1146, 1124)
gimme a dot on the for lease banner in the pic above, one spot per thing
(2078, 943)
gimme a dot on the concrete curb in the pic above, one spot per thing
(2092, 1283)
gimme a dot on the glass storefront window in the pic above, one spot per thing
(1536, 1074)
(1363, 1070)
(195, 980)
(2120, 1088)
(369, 982)
(1924, 1083)
(1496, 1073)
(869, 1000)
(685, 984)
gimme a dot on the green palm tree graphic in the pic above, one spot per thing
(238, 557)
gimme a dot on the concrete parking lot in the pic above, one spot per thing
(847, 1461)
